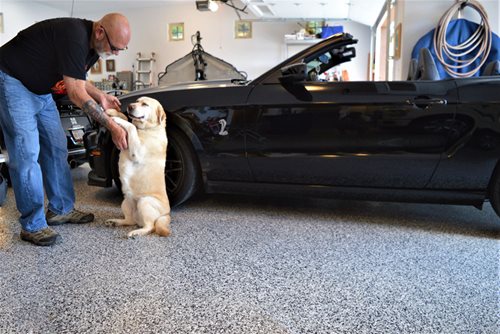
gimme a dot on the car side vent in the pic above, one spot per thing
(403, 86)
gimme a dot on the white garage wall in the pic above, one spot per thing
(19, 14)
(255, 55)
(150, 34)
(265, 49)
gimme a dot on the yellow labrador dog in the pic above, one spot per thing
(142, 168)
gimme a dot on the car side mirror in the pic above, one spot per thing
(293, 73)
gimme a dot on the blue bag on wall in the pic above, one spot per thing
(328, 31)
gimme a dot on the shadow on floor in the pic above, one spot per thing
(453, 219)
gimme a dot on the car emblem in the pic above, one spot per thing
(223, 124)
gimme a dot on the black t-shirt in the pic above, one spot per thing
(41, 54)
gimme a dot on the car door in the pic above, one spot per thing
(475, 148)
(369, 134)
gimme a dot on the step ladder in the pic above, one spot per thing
(143, 71)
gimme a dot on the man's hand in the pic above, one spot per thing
(110, 102)
(118, 134)
(78, 92)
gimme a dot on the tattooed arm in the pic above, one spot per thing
(78, 94)
(96, 112)
(107, 101)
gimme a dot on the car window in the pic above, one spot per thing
(315, 61)
(323, 61)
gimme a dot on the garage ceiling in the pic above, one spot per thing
(362, 11)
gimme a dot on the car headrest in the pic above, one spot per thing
(492, 68)
(426, 67)
(412, 70)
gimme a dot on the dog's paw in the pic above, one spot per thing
(118, 120)
(111, 112)
(132, 235)
(115, 113)
(111, 222)
(138, 233)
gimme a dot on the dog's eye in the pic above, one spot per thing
(144, 104)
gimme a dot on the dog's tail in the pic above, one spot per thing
(162, 225)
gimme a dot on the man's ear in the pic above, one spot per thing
(99, 33)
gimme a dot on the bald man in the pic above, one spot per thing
(30, 65)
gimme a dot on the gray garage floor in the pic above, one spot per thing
(255, 265)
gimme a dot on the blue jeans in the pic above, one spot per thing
(37, 149)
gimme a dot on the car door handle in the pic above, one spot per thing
(424, 102)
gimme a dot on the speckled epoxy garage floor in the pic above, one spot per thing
(255, 265)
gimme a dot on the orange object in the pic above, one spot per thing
(59, 88)
(345, 75)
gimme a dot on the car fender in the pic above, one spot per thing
(183, 125)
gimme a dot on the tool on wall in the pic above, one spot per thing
(476, 47)
(459, 47)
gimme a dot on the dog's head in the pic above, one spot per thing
(146, 113)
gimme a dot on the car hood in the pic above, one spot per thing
(183, 86)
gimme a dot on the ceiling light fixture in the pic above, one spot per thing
(212, 5)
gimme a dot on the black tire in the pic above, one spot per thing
(4, 169)
(182, 168)
(494, 190)
(115, 174)
(3, 189)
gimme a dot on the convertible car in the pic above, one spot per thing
(289, 132)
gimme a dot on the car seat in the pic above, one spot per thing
(492, 68)
(424, 68)
(412, 70)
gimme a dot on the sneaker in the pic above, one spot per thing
(45, 237)
(72, 217)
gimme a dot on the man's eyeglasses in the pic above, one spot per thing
(111, 46)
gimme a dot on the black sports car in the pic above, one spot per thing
(291, 133)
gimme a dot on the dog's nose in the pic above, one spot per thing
(130, 107)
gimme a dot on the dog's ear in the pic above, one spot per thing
(162, 116)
